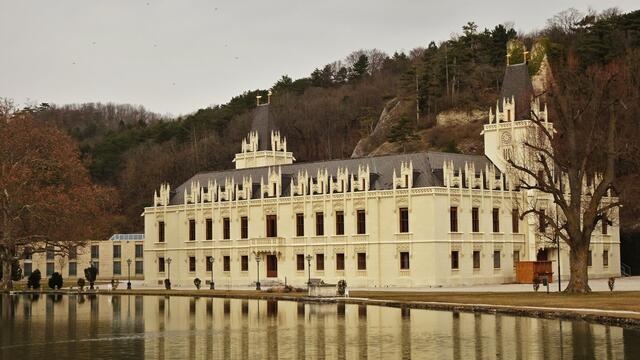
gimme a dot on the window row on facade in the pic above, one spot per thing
(271, 224)
(301, 259)
(72, 268)
(497, 264)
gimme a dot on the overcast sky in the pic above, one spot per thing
(177, 56)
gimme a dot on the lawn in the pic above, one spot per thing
(622, 300)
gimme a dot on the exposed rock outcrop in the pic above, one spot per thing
(457, 117)
(390, 114)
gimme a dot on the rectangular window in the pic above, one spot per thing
(496, 220)
(404, 220)
(299, 224)
(244, 263)
(362, 261)
(404, 260)
(95, 252)
(192, 230)
(516, 258)
(272, 226)
(73, 253)
(50, 253)
(496, 259)
(117, 252)
(475, 219)
(226, 263)
(590, 259)
(244, 227)
(455, 265)
(542, 221)
(362, 222)
(50, 269)
(453, 219)
(226, 228)
(209, 265)
(605, 223)
(139, 267)
(319, 223)
(73, 269)
(515, 221)
(320, 262)
(161, 264)
(476, 259)
(340, 261)
(117, 268)
(139, 251)
(161, 231)
(27, 269)
(209, 229)
(192, 264)
(339, 223)
(300, 262)
(605, 258)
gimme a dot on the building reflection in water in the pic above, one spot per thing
(182, 327)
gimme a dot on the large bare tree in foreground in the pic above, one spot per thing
(595, 117)
(47, 199)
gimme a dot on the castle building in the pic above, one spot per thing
(407, 220)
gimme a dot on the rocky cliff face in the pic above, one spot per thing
(455, 130)
(457, 117)
(392, 111)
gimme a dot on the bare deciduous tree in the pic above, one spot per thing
(573, 163)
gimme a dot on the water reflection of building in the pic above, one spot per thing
(182, 327)
(409, 220)
(108, 256)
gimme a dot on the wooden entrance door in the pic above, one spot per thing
(272, 266)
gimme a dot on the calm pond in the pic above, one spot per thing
(120, 327)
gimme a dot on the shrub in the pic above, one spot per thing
(33, 282)
(81, 283)
(342, 285)
(16, 271)
(90, 274)
(55, 281)
(197, 282)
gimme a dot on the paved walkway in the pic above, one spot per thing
(622, 284)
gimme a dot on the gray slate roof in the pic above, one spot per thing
(517, 83)
(263, 125)
(427, 168)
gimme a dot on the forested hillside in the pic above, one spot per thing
(432, 97)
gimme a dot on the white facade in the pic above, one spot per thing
(415, 220)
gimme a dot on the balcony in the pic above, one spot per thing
(360, 238)
(318, 240)
(477, 236)
(339, 238)
(518, 237)
(404, 236)
(267, 242)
